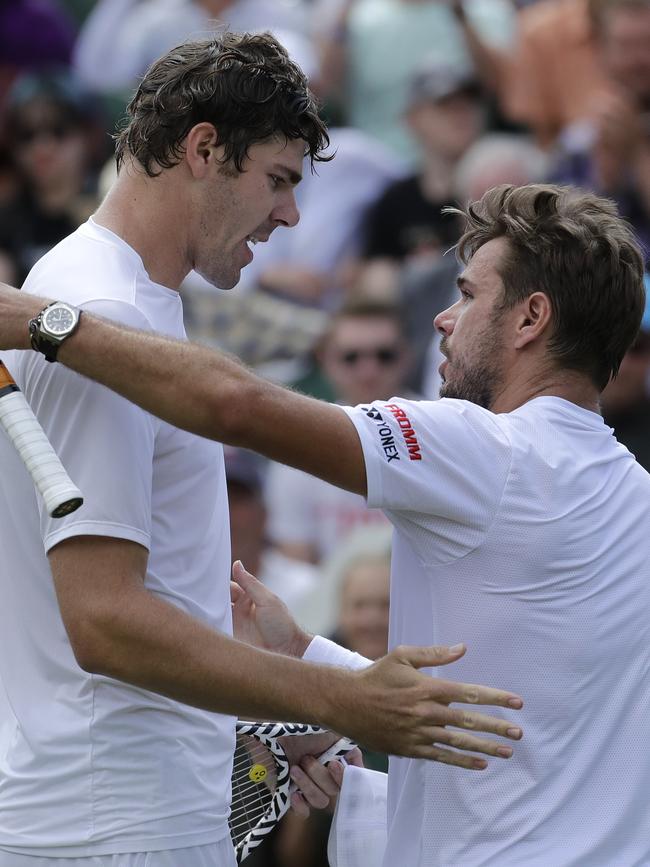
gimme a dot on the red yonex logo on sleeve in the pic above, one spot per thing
(408, 433)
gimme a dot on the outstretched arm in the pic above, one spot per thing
(203, 391)
(262, 619)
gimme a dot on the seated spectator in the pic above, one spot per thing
(245, 476)
(609, 151)
(498, 158)
(364, 356)
(626, 400)
(121, 38)
(553, 74)
(35, 35)
(370, 50)
(56, 143)
(446, 114)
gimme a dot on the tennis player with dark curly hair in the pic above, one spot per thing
(118, 673)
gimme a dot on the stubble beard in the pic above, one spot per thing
(478, 380)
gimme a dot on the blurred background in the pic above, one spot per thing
(430, 103)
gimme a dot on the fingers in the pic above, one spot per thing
(236, 593)
(299, 805)
(482, 722)
(449, 691)
(314, 782)
(461, 740)
(422, 657)
(354, 757)
(248, 582)
(435, 753)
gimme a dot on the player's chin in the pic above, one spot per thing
(223, 278)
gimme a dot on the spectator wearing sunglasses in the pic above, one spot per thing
(364, 356)
(54, 138)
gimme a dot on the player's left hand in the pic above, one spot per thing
(261, 618)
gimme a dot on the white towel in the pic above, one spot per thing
(358, 833)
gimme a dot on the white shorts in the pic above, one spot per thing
(219, 854)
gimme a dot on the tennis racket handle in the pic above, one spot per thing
(60, 495)
(337, 750)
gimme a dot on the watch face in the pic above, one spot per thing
(59, 320)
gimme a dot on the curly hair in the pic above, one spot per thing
(245, 85)
(573, 246)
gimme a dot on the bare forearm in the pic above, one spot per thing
(490, 63)
(156, 646)
(185, 384)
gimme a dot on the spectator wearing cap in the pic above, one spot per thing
(55, 140)
(245, 478)
(626, 400)
(445, 113)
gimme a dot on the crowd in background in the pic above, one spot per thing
(430, 103)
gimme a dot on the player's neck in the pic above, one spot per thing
(136, 209)
(568, 385)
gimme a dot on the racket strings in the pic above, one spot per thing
(254, 781)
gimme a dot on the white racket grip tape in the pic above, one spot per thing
(60, 494)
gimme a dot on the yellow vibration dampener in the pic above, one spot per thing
(257, 773)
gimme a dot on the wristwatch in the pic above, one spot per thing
(50, 328)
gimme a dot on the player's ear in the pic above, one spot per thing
(201, 148)
(535, 314)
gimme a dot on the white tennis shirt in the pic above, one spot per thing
(90, 765)
(527, 536)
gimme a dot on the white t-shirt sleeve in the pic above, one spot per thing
(105, 442)
(437, 468)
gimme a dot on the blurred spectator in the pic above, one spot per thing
(553, 74)
(446, 114)
(498, 158)
(364, 356)
(121, 38)
(291, 581)
(609, 151)
(55, 141)
(370, 49)
(352, 604)
(626, 400)
(34, 35)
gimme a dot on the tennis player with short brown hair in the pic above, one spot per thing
(520, 522)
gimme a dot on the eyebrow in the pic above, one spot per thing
(463, 281)
(287, 173)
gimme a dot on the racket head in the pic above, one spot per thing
(261, 784)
